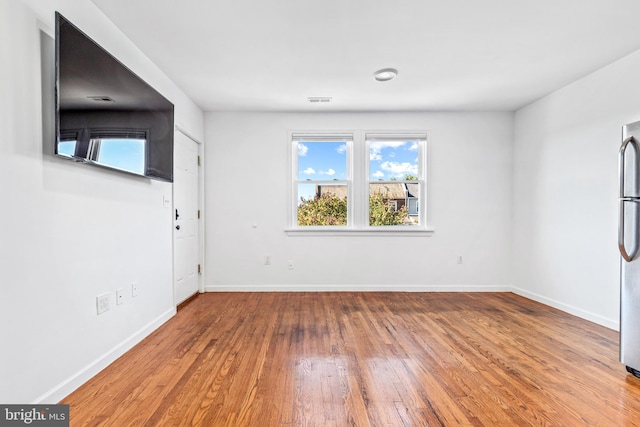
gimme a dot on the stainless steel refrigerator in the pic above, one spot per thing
(629, 244)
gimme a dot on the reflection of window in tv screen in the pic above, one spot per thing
(67, 148)
(124, 154)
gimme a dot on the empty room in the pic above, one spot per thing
(299, 213)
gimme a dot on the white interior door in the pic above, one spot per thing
(185, 205)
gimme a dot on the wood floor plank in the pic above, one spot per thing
(365, 359)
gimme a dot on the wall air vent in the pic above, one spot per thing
(319, 99)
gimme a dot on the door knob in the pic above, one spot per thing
(177, 227)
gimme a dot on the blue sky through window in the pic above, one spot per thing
(320, 161)
(392, 159)
(389, 159)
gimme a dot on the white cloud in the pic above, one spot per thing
(342, 148)
(302, 150)
(329, 172)
(379, 145)
(376, 147)
(378, 174)
(309, 171)
(399, 170)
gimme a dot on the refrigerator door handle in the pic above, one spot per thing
(628, 256)
(621, 160)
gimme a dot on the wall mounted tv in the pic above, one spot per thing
(105, 114)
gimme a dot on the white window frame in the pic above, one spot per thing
(299, 137)
(358, 152)
(422, 171)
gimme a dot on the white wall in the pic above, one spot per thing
(565, 189)
(469, 198)
(69, 231)
(546, 206)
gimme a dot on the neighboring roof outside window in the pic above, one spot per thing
(336, 190)
(390, 190)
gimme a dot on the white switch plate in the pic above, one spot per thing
(102, 303)
(119, 296)
(134, 289)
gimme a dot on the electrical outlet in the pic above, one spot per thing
(267, 260)
(102, 303)
(290, 265)
(459, 259)
(119, 296)
(134, 289)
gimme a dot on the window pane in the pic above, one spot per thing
(322, 204)
(413, 194)
(322, 183)
(126, 154)
(393, 203)
(67, 148)
(393, 159)
(394, 180)
(322, 161)
(306, 191)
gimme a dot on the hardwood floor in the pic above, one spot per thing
(365, 359)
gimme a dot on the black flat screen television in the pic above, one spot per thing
(105, 114)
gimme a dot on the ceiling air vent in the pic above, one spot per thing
(101, 98)
(319, 99)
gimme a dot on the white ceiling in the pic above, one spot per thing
(451, 54)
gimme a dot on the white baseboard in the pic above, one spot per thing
(66, 387)
(356, 288)
(587, 315)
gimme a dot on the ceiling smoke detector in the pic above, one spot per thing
(385, 74)
(319, 99)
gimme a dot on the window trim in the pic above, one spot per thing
(358, 164)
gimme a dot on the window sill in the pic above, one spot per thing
(339, 231)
